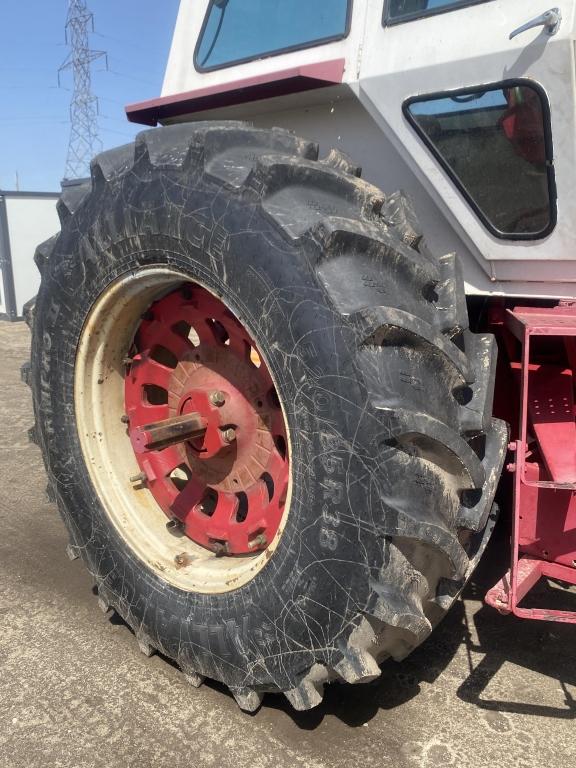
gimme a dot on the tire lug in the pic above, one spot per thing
(247, 698)
(145, 647)
(194, 678)
(217, 398)
(103, 605)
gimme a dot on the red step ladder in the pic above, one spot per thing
(544, 522)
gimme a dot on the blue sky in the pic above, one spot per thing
(34, 116)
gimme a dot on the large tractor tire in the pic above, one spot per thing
(336, 489)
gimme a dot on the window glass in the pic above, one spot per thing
(240, 30)
(495, 143)
(403, 10)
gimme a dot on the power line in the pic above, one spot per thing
(131, 77)
(84, 142)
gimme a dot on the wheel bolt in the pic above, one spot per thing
(217, 398)
(258, 542)
(229, 435)
(141, 477)
(125, 419)
(127, 361)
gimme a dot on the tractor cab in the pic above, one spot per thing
(468, 105)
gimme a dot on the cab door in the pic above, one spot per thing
(486, 120)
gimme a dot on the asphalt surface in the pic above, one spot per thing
(484, 690)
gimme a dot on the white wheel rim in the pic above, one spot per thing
(99, 405)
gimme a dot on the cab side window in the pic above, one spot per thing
(495, 143)
(236, 31)
(396, 11)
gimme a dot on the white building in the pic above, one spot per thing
(26, 219)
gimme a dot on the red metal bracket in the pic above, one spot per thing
(544, 522)
(305, 77)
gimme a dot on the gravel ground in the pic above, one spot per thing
(484, 690)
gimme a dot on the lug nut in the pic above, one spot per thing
(141, 477)
(220, 548)
(174, 526)
(125, 419)
(127, 361)
(217, 398)
(229, 435)
(182, 560)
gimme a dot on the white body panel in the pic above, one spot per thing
(387, 65)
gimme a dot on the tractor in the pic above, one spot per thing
(275, 397)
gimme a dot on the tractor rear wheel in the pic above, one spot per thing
(264, 420)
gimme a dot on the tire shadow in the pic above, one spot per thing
(398, 683)
(544, 648)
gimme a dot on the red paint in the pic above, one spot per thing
(523, 124)
(190, 346)
(544, 516)
(281, 83)
(529, 571)
(551, 413)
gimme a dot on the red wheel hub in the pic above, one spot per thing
(206, 424)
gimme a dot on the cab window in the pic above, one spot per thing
(396, 11)
(495, 143)
(236, 31)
